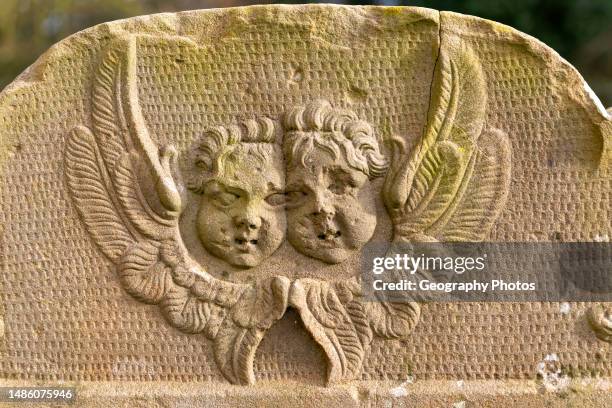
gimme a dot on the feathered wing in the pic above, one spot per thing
(123, 187)
(453, 184)
(336, 317)
(344, 323)
(450, 187)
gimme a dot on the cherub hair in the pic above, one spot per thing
(218, 143)
(336, 131)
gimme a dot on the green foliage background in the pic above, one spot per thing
(580, 30)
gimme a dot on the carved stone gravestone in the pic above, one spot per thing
(185, 199)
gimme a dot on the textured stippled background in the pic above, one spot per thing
(65, 314)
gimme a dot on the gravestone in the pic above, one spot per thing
(185, 199)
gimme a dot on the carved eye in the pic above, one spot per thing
(338, 187)
(276, 199)
(226, 198)
(342, 183)
(294, 198)
(220, 195)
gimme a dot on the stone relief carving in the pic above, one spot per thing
(239, 172)
(453, 184)
(127, 195)
(331, 155)
(314, 186)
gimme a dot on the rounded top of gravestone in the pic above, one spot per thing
(228, 164)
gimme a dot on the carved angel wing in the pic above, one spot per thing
(124, 189)
(450, 188)
(453, 184)
(336, 317)
(344, 323)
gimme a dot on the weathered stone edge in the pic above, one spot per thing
(565, 74)
(584, 393)
(179, 24)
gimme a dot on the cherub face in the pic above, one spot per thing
(241, 217)
(330, 208)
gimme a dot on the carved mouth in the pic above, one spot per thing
(245, 245)
(329, 240)
(219, 245)
(328, 236)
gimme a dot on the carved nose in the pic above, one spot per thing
(323, 218)
(249, 222)
(323, 209)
